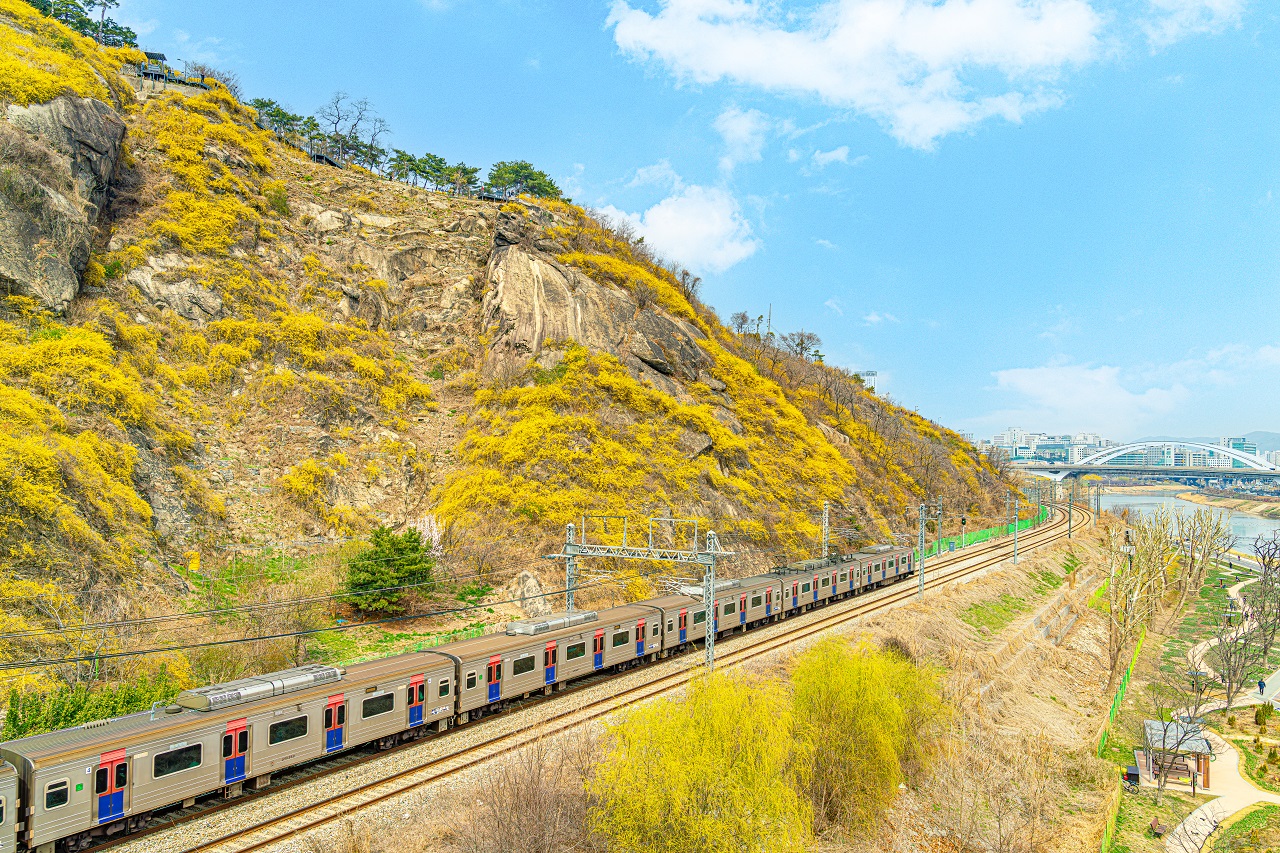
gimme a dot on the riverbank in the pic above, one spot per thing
(1247, 506)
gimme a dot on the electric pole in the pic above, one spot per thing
(1071, 500)
(570, 567)
(826, 529)
(938, 533)
(920, 562)
(709, 598)
(1015, 529)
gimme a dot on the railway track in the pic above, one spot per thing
(279, 828)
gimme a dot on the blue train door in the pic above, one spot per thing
(742, 609)
(110, 783)
(834, 590)
(494, 676)
(417, 697)
(768, 602)
(815, 587)
(684, 625)
(795, 593)
(549, 661)
(597, 649)
(640, 638)
(235, 751)
(335, 721)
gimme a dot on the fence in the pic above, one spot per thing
(946, 543)
(1119, 697)
(1109, 828)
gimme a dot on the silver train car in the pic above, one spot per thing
(68, 790)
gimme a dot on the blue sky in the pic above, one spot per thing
(1057, 214)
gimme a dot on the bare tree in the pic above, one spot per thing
(1264, 595)
(1235, 654)
(227, 78)
(1203, 536)
(1179, 699)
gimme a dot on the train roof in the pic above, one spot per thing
(98, 736)
(497, 644)
(7, 771)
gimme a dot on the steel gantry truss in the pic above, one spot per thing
(706, 558)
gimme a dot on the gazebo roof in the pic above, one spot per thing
(1183, 737)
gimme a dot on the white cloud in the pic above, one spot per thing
(1082, 397)
(659, 174)
(198, 50)
(875, 318)
(744, 133)
(1173, 20)
(826, 244)
(923, 69)
(700, 227)
(836, 155)
(834, 304)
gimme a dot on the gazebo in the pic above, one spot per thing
(1177, 746)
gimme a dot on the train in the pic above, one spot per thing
(72, 789)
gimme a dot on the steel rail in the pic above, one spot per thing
(307, 817)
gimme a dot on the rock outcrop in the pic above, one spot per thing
(57, 161)
(533, 299)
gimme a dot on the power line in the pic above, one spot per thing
(12, 665)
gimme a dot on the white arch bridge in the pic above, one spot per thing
(1251, 467)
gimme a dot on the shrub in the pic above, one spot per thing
(376, 578)
(866, 716)
(652, 788)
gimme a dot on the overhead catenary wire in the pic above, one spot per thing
(91, 658)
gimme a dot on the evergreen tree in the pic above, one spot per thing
(376, 578)
(517, 177)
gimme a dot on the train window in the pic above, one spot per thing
(654, 631)
(1, 811)
(671, 625)
(471, 680)
(844, 576)
(287, 730)
(227, 743)
(375, 705)
(621, 638)
(575, 651)
(176, 760)
(422, 689)
(826, 582)
(444, 689)
(699, 617)
(805, 588)
(122, 775)
(328, 718)
(342, 714)
(757, 600)
(101, 780)
(730, 607)
(56, 794)
(522, 665)
(244, 741)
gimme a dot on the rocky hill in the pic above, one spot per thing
(211, 341)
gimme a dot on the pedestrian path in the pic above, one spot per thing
(1234, 793)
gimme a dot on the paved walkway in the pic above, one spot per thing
(1233, 791)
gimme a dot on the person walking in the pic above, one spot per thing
(1262, 686)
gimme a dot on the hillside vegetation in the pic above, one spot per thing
(264, 349)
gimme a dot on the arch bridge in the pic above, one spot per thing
(1254, 467)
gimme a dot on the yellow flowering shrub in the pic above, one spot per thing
(41, 59)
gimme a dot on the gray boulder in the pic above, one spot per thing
(57, 161)
(88, 133)
(188, 299)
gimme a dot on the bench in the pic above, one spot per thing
(1157, 828)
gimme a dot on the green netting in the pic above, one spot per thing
(950, 543)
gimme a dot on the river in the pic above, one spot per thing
(1245, 527)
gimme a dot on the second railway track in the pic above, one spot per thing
(734, 651)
